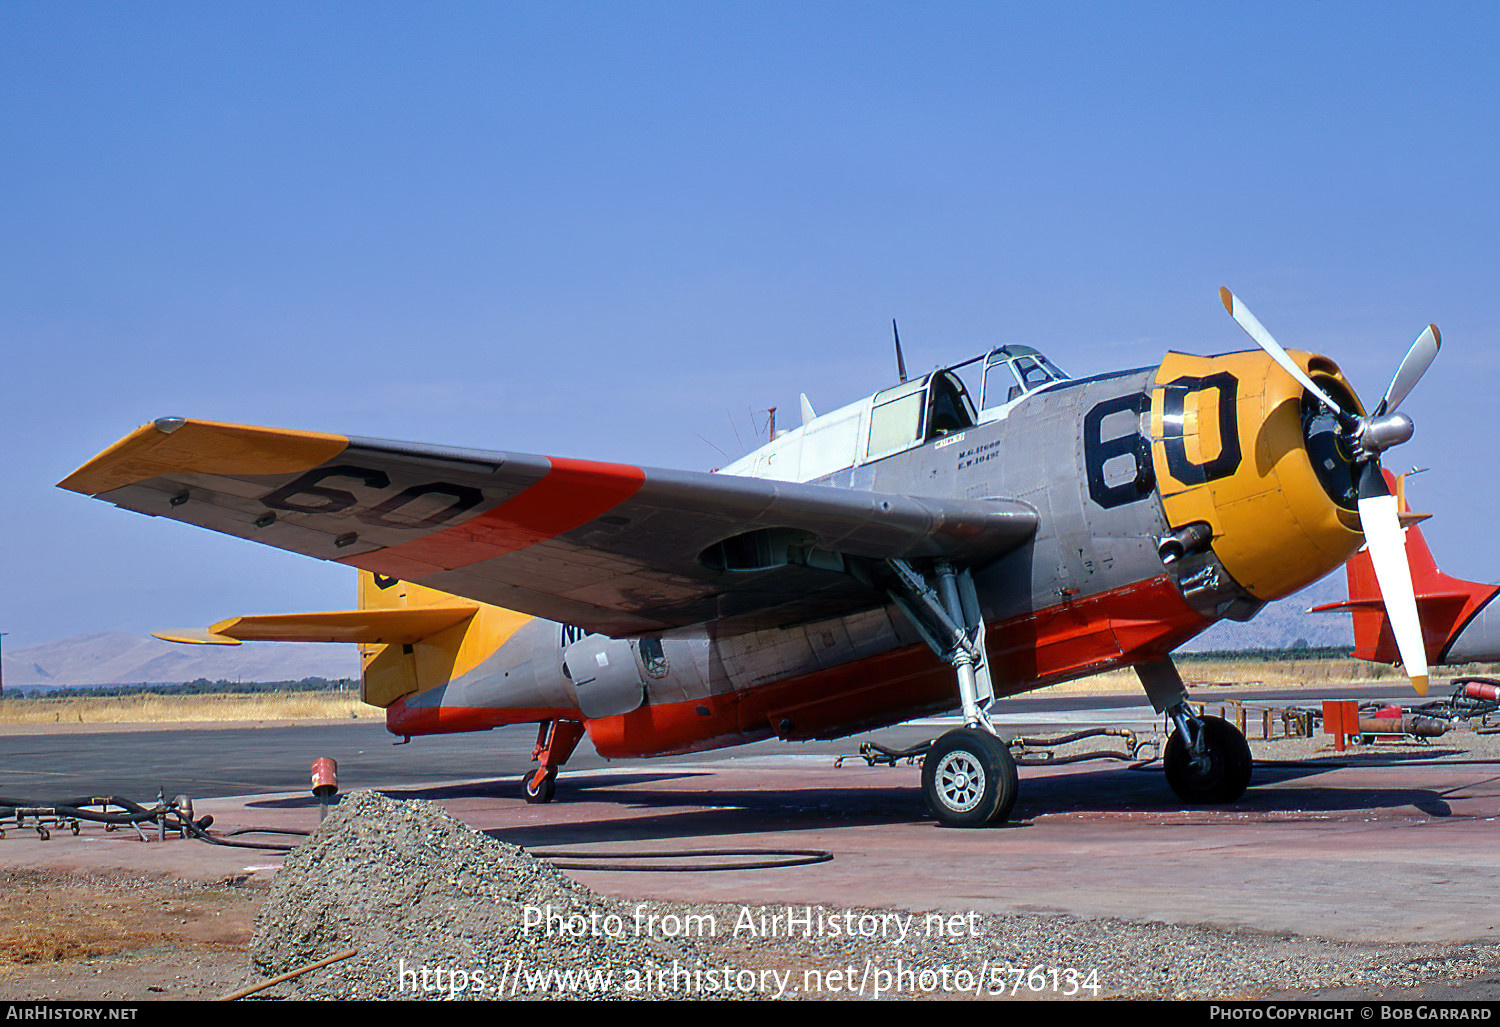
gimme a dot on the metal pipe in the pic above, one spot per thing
(1420, 727)
(286, 976)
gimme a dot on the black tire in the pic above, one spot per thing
(969, 779)
(1228, 772)
(539, 793)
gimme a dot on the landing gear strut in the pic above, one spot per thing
(555, 742)
(968, 775)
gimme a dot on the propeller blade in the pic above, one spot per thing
(1379, 519)
(1263, 339)
(1418, 359)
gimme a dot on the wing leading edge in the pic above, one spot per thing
(612, 548)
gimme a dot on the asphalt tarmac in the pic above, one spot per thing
(207, 760)
(1388, 845)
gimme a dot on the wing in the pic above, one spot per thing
(609, 547)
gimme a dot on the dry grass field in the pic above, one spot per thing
(1311, 672)
(176, 709)
(1202, 675)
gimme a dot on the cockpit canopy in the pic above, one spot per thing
(902, 417)
(1011, 372)
(939, 404)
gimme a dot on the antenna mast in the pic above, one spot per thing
(900, 360)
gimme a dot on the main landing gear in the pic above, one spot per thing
(968, 776)
(1207, 760)
(555, 742)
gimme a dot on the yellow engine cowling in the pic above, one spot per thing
(1236, 444)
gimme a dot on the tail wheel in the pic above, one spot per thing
(539, 791)
(1225, 776)
(969, 779)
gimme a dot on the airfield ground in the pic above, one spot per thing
(1367, 874)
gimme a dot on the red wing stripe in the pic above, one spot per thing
(571, 494)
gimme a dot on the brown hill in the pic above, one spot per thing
(117, 658)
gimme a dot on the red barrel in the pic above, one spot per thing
(325, 777)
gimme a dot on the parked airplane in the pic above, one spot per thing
(983, 530)
(1460, 620)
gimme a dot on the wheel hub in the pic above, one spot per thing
(960, 781)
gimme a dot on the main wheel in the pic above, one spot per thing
(539, 792)
(1227, 774)
(969, 779)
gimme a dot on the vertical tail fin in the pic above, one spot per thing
(1444, 603)
(389, 671)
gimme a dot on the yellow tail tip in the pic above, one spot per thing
(195, 636)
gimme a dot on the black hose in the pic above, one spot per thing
(1081, 757)
(223, 839)
(167, 815)
(172, 817)
(786, 858)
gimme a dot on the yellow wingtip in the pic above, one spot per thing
(175, 444)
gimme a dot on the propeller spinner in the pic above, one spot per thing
(1366, 437)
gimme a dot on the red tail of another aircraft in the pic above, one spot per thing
(1445, 604)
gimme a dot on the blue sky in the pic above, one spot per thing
(604, 230)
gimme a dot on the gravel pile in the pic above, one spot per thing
(438, 910)
(432, 906)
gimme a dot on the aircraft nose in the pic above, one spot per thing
(1246, 458)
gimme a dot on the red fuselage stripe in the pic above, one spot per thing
(572, 493)
(1137, 623)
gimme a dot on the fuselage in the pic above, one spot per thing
(1167, 498)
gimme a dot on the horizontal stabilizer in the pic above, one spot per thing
(389, 627)
(1377, 605)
